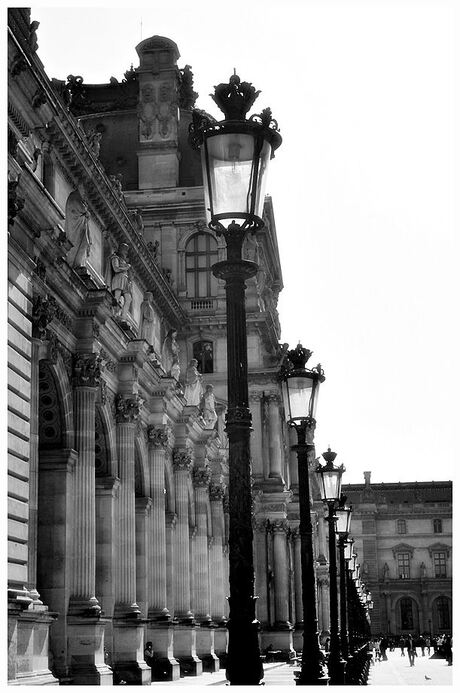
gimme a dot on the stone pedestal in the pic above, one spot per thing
(220, 644)
(185, 650)
(205, 649)
(161, 636)
(280, 639)
(128, 654)
(86, 644)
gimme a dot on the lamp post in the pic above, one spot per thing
(331, 481)
(300, 395)
(343, 530)
(235, 154)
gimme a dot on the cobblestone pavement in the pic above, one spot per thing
(397, 671)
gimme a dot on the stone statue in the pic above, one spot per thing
(77, 227)
(32, 39)
(147, 318)
(208, 404)
(193, 386)
(422, 570)
(386, 572)
(170, 355)
(94, 139)
(118, 277)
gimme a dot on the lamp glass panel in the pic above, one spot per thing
(343, 520)
(233, 166)
(348, 550)
(297, 393)
(331, 482)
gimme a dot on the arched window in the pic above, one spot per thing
(200, 255)
(406, 613)
(401, 526)
(437, 526)
(443, 613)
(203, 353)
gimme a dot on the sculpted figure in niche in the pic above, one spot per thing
(147, 318)
(119, 279)
(193, 386)
(386, 571)
(77, 227)
(170, 355)
(209, 407)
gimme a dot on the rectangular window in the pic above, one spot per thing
(437, 526)
(404, 566)
(401, 526)
(440, 568)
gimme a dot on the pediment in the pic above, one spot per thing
(402, 548)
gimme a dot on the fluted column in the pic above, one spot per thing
(127, 413)
(143, 513)
(281, 570)
(298, 579)
(87, 374)
(170, 522)
(274, 429)
(158, 442)
(182, 463)
(323, 599)
(216, 559)
(256, 437)
(201, 480)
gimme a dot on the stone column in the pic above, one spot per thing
(202, 601)
(86, 628)
(323, 611)
(185, 631)
(170, 523)
(282, 629)
(159, 629)
(143, 513)
(216, 568)
(256, 437)
(128, 634)
(298, 604)
(274, 429)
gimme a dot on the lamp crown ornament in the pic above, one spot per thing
(329, 456)
(235, 98)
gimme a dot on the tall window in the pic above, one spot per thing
(203, 353)
(437, 526)
(443, 613)
(404, 566)
(401, 526)
(200, 255)
(440, 567)
(407, 613)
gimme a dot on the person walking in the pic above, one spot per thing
(448, 649)
(383, 648)
(402, 644)
(411, 651)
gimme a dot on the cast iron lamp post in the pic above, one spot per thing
(300, 395)
(235, 154)
(343, 529)
(330, 484)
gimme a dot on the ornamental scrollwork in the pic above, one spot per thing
(201, 476)
(279, 526)
(216, 492)
(182, 460)
(127, 409)
(87, 369)
(43, 311)
(158, 437)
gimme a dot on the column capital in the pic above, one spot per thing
(87, 369)
(43, 311)
(255, 397)
(201, 477)
(182, 460)
(273, 397)
(279, 526)
(127, 408)
(159, 436)
(216, 492)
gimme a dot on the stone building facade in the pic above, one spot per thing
(118, 457)
(403, 535)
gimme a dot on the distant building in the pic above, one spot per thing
(403, 535)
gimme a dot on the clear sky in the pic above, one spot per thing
(363, 191)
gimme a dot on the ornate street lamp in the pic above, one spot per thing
(330, 484)
(343, 513)
(300, 387)
(235, 154)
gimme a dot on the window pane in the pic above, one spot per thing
(190, 284)
(202, 284)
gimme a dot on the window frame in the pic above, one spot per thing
(202, 262)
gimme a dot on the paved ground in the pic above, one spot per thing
(394, 672)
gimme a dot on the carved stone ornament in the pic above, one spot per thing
(39, 98)
(187, 96)
(87, 370)
(127, 409)
(15, 203)
(280, 526)
(216, 492)
(43, 311)
(201, 476)
(158, 437)
(235, 98)
(182, 460)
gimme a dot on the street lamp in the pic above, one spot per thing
(300, 387)
(235, 154)
(343, 529)
(330, 484)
